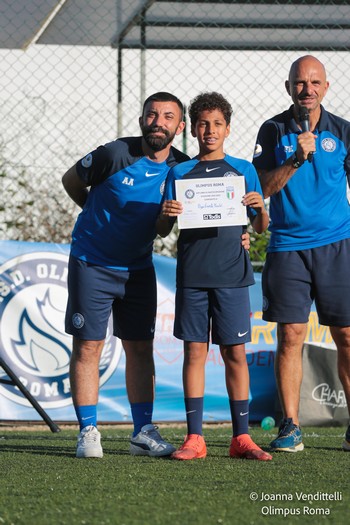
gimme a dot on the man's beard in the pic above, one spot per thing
(157, 143)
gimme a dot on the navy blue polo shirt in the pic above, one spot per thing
(312, 209)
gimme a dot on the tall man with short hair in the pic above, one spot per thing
(305, 175)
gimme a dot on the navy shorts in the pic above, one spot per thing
(291, 281)
(225, 312)
(95, 291)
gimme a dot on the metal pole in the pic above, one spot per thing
(143, 58)
(119, 93)
(15, 381)
(184, 133)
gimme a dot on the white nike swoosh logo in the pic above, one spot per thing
(151, 174)
(243, 413)
(85, 418)
(191, 411)
(212, 169)
(241, 335)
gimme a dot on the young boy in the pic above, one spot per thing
(212, 278)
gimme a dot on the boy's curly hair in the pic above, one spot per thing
(209, 102)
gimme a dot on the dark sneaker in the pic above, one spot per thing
(289, 437)
(346, 443)
(149, 442)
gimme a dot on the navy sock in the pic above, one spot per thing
(141, 415)
(194, 415)
(87, 415)
(239, 416)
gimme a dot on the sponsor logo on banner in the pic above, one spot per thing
(326, 395)
(33, 342)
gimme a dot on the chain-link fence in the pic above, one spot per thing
(74, 75)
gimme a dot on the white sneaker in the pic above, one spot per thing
(89, 443)
(149, 442)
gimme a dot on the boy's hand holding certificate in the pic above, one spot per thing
(208, 202)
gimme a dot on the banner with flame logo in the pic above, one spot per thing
(33, 296)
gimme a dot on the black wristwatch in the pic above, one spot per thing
(295, 162)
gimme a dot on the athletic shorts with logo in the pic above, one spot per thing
(292, 280)
(224, 311)
(94, 292)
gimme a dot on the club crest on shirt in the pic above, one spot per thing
(328, 144)
(33, 342)
(87, 161)
(257, 150)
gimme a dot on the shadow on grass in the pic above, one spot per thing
(54, 447)
(38, 450)
(29, 437)
(42, 450)
(57, 445)
(327, 449)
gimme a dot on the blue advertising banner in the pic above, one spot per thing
(33, 343)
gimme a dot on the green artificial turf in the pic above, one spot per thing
(43, 483)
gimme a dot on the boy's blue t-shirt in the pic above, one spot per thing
(213, 257)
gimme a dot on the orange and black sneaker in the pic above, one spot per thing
(244, 447)
(194, 447)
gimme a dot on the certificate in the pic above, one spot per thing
(212, 201)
